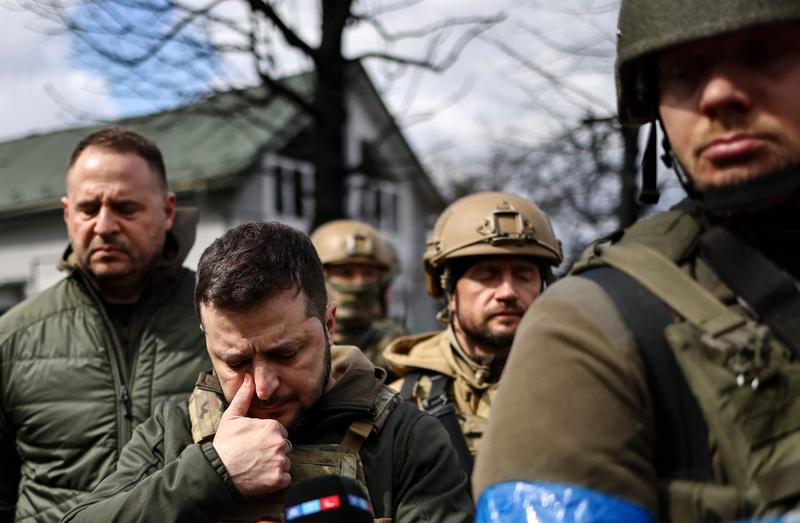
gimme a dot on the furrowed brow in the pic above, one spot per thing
(290, 344)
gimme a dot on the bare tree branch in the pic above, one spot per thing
(292, 38)
(429, 62)
(564, 8)
(273, 84)
(550, 77)
(450, 23)
(177, 51)
(583, 48)
(389, 8)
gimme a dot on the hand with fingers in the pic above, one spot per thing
(254, 451)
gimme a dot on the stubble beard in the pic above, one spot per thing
(707, 174)
(121, 277)
(105, 272)
(485, 336)
(318, 391)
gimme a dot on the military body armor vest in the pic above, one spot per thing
(419, 388)
(745, 381)
(206, 406)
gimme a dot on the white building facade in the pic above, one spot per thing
(232, 174)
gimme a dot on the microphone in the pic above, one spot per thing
(327, 499)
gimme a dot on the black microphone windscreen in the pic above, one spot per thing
(327, 499)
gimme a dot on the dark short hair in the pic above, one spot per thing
(258, 261)
(121, 140)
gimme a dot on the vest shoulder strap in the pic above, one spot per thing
(407, 389)
(206, 407)
(767, 289)
(359, 430)
(673, 234)
(732, 334)
(637, 273)
(438, 404)
(682, 449)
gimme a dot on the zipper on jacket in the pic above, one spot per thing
(125, 399)
(124, 428)
(136, 327)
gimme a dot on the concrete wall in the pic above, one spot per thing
(30, 248)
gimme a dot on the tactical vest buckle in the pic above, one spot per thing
(438, 395)
(742, 343)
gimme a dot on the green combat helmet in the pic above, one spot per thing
(489, 224)
(648, 26)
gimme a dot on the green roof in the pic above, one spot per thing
(205, 145)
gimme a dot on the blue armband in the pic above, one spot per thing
(532, 502)
(789, 518)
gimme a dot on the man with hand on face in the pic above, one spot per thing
(661, 380)
(87, 360)
(491, 255)
(281, 405)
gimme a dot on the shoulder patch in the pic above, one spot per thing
(205, 412)
(385, 402)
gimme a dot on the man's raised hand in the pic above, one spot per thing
(254, 451)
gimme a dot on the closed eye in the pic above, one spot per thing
(88, 208)
(236, 364)
(127, 208)
(284, 355)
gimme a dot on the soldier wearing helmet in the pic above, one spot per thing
(360, 265)
(490, 256)
(672, 352)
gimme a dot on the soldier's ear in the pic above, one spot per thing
(330, 320)
(452, 302)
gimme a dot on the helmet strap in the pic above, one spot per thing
(443, 316)
(670, 161)
(649, 193)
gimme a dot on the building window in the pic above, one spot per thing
(374, 201)
(293, 187)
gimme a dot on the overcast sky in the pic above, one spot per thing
(42, 88)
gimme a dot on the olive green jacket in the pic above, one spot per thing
(574, 405)
(69, 400)
(412, 473)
